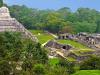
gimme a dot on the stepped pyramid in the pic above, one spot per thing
(7, 23)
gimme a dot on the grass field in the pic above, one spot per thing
(73, 43)
(42, 36)
(82, 52)
(53, 61)
(88, 72)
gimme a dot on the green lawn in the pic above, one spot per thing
(53, 61)
(82, 52)
(42, 36)
(35, 32)
(71, 59)
(88, 72)
(73, 43)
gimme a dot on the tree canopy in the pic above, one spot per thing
(1, 3)
(82, 20)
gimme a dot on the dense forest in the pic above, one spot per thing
(62, 20)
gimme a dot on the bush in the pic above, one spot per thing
(5, 67)
(39, 69)
(92, 63)
(69, 65)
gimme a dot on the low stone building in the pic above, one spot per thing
(89, 38)
(54, 44)
(65, 36)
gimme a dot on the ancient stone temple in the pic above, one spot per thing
(7, 23)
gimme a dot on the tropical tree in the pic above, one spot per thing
(92, 63)
(39, 69)
(98, 27)
(84, 27)
(36, 53)
(5, 67)
(1, 3)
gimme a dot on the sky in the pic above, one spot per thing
(57, 4)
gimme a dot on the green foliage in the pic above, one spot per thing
(57, 71)
(82, 52)
(14, 50)
(5, 67)
(61, 20)
(42, 36)
(88, 72)
(91, 63)
(84, 27)
(54, 61)
(98, 27)
(13, 45)
(39, 69)
(23, 14)
(27, 65)
(73, 43)
(1, 3)
(35, 52)
(68, 65)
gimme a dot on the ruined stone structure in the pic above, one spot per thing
(53, 44)
(7, 23)
(89, 40)
(65, 36)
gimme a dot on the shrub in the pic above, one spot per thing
(39, 69)
(92, 63)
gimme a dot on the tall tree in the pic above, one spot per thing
(1, 3)
(5, 67)
(98, 27)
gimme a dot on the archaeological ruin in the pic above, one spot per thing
(89, 40)
(56, 45)
(7, 23)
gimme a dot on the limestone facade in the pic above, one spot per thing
(7, 23)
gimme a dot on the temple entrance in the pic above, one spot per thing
(64, 47)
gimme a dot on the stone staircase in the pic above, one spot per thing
(7, 23)
(26, 32)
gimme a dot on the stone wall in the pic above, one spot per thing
(53, 44)
(90, 40)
